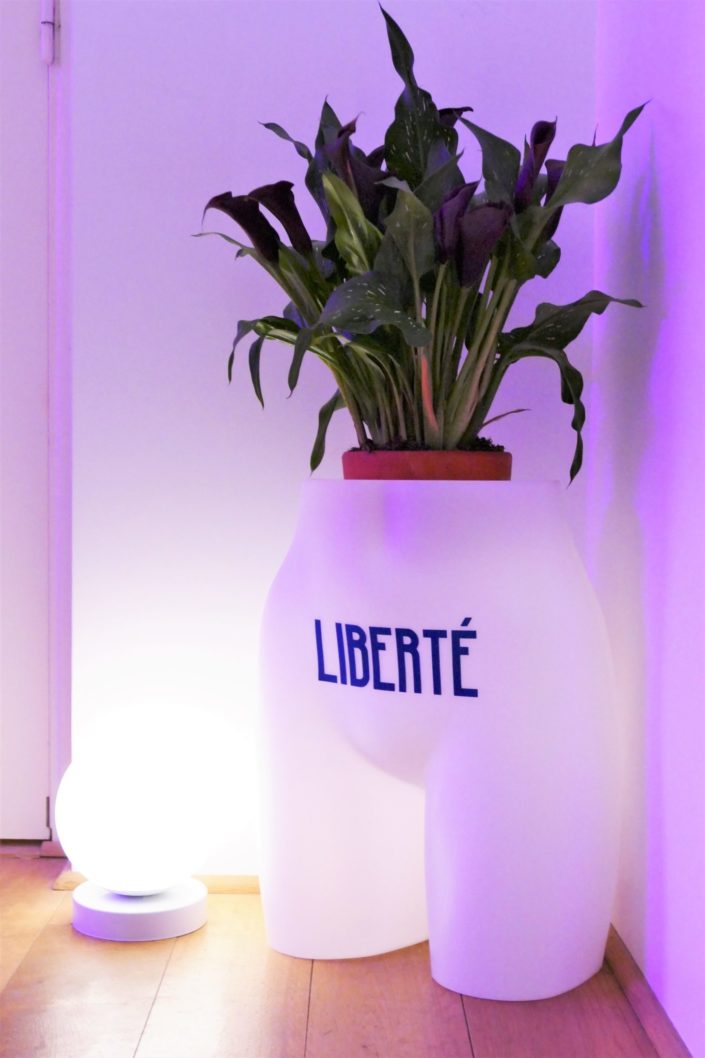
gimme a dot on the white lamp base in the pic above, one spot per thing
(108, 916)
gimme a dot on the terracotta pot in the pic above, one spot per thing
(427, 466)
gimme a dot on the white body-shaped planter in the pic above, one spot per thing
(437, 645)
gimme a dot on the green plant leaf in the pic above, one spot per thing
(324, 417)
(503, 415)
(571, 387)
(558, 325)
(547, 257)
(417, 124)
(354, 169)
(500, 164)
(301, 148)
(402, 53)
(301, 346)
(303, 281)
(226, 238)
(390, 263)
(356, 239)
(278, 328)
(440, 180)
(254, 357)
(244, 327)
(395, 183)
(328, 126)
(410, 227)
(522, 264)
(367, 302)
(592, 173)
(411, 135)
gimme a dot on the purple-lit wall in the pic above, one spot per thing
(647, 490)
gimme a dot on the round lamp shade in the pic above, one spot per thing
(138, 809)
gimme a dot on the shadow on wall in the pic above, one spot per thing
(631, 468)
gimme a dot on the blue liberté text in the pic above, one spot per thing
(356, 660)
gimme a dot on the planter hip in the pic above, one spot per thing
(438, 736)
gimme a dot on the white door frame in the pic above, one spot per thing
(35, 465)
(60, 423)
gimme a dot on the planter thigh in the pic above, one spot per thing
(342, 864)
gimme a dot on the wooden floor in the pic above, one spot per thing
(221, 993)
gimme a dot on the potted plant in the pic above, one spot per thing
(407, 298)
(432, 647)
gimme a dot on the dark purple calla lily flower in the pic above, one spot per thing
(535, 152)
(554, 171)
(279, 200)
(246, 212)
(480, 231)
(449, 116)
(357, 172)
(446, 220)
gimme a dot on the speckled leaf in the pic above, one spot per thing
(410, 225)
(412, 134)
(521, 262)
(417, 124)
(367, 302)
(449, 117)
(558, 325)
(547, 258)
(390, 263)
(592, 173)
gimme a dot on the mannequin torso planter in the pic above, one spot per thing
(435, 647)
(431, 643)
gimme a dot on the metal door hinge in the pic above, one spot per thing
(47, 30)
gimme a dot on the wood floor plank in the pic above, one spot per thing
(74, 997)
(386, 1006)
(221, 993)
(225, 994)
(593, 1021)
(27, 902)
(26, 895)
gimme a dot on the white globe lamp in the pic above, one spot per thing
(136, 813)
